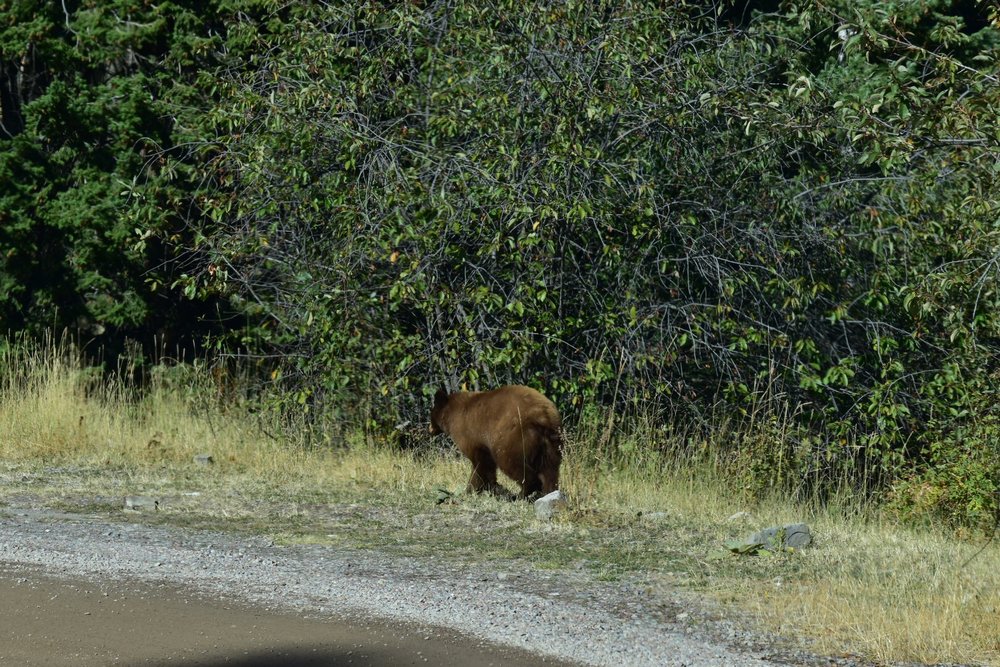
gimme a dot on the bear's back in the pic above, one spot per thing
(514, 405)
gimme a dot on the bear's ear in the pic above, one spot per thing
(440, 396)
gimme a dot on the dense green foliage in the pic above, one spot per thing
(664, 210)
(91, 94)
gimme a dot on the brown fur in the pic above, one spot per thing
(513, 428)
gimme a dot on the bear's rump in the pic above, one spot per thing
(518, 452)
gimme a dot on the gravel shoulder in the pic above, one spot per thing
(559, 615)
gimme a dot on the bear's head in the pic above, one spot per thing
(440, 401)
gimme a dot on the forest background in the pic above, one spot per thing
(777, 222)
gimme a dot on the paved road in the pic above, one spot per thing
(54, 622)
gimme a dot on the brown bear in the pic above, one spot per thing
(513, 428)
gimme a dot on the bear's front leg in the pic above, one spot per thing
(484, 476)
(484, 471)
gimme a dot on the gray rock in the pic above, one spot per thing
(548, 506)
(204, 459)
(139, 503)
(793, 536)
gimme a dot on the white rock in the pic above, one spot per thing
(548, 506)
(138, 503)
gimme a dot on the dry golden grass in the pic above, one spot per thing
(868, 586)
(54, 413)
(890, 594)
